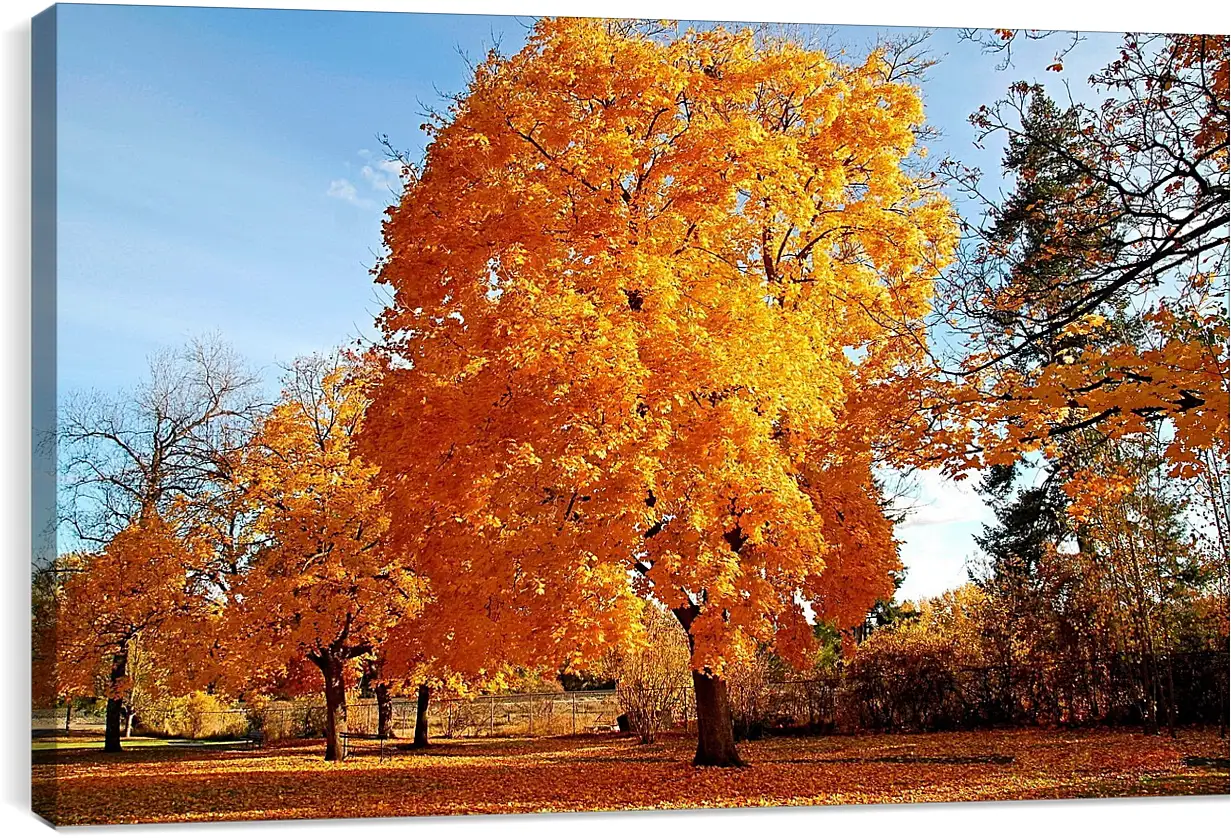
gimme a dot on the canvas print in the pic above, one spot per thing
(486, 415)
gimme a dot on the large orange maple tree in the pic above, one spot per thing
(637, 286)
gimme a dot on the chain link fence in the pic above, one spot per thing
(51, 719)
(530, 714)
(450, 717)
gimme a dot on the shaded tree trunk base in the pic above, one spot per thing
(112, 736)
(332, 669)
(115, 705)
(715, 732)
(421, 704)
(384, 711)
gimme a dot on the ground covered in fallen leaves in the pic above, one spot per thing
(81, 786)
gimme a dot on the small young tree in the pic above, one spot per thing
(652, 677)
(429, 651)
(145, 584)
(324, 586)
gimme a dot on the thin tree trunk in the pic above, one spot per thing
(68, 716)
(1171, 708)
(115, 703)
(384, 711)
(1149, 666)
(421, 703)
(332, 668)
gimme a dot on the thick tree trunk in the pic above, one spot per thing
(423, 697)
(332, 668)
(115, 703)
(715, 732)
(384, 711)
(114, 729)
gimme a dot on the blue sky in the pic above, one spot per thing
(197, 150)
(218, 171)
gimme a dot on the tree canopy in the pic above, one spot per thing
(640, 290)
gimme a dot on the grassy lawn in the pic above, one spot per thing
(61, 743)
(81, 786)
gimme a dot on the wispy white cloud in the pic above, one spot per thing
(938, 534)
(344, 190)
(378, 179)
(942, 500)
(386, 175)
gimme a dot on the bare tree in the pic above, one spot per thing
(1000, 42)
(172, 439)
(653, 681)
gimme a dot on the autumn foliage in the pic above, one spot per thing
(1094, 296)
(665, 309)
(325, 586)
(145, 586)
(637, 286)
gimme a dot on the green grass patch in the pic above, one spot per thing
(53, 744)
